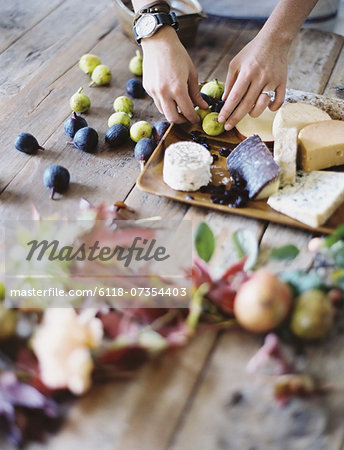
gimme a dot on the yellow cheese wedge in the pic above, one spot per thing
(285, 152)
(261, 125)
(321, 145)
(297, 115)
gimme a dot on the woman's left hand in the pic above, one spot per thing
(260, 66)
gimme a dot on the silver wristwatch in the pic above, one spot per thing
(148, 24)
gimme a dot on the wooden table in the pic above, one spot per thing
(184, 400)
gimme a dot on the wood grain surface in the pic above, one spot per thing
(185, 400)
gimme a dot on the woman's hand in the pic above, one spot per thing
(260, 66)
(170, 77)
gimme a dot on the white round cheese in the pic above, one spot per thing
(187, 166)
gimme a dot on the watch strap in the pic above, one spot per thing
(167, 19)
(156, 6)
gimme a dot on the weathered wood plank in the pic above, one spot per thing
(29, 54)
(232, 411)
(18, 16)
(312, 58)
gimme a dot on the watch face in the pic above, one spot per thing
(146, 25)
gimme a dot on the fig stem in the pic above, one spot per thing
(105, 146)
(41, 148)
(142, 165)
(79, 90)
(52, 193)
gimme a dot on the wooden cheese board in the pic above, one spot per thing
(151, 181)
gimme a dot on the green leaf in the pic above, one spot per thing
(286, 252)
(301, 281)
(246, 244)
(204, 241)
(336, 236)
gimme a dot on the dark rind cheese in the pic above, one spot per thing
(252, 161)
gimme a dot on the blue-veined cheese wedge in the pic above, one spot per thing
(312, 198)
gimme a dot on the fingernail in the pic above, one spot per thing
(228, 127)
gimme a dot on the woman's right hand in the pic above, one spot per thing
(170, 77)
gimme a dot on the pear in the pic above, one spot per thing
(313, 315)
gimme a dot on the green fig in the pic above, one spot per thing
(119, 117)
(140, 130)
(135, 64)
(124, 104)
(88, 63)
(213, 89)
(202, 112)
(313, 315)
(2, 292)
(211, 125)
(101, 75)
(80, 102)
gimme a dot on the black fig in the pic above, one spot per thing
(86, 139)
(27, 143)
(73, 124)
(116, 135)
(159, 129)
(143, 150)
(210, 100)
(135, 89)
(56, 178)
(218, 106)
